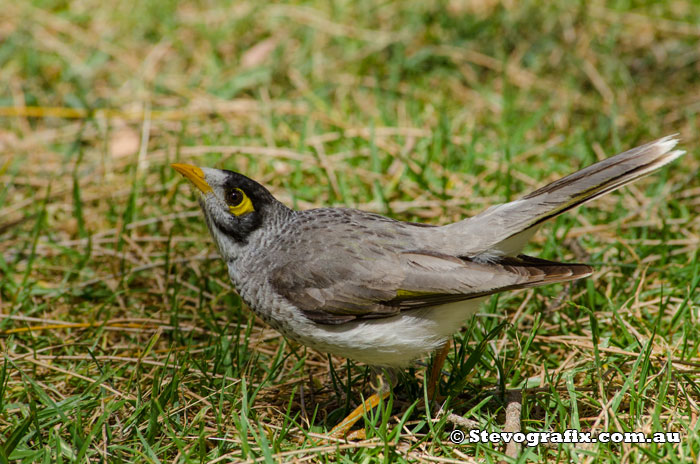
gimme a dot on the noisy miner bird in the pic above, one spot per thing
(386, 292)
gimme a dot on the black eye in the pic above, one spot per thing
(234, 197)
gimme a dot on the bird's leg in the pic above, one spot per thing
(340, 430)
(383, 390)
(436, 370)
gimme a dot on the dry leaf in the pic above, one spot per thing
(258, 53)
(125, 142)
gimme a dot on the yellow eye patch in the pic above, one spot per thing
(238, 202)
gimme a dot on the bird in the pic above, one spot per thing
(382, 291)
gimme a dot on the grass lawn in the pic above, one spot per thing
(121, 338)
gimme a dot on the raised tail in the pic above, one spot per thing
(511, 225)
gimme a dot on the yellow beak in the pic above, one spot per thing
(194, 175)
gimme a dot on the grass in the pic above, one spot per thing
(122, 339)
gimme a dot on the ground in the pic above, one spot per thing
(121, 337)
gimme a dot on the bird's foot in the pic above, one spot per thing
(341, 430)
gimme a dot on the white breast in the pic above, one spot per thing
(392, 341)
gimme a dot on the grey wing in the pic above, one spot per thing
(433, 282)
(336, 287)
(346, 284)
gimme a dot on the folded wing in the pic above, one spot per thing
(409, 280)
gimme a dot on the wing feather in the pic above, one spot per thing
(327, 292)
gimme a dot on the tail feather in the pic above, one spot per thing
(605, 176)
(511, 225)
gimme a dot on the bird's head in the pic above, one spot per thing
(234, 206)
